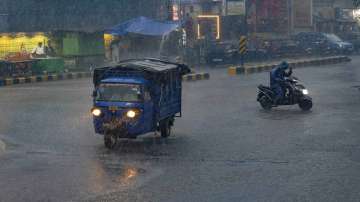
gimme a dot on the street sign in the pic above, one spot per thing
(302, 13)
(235, 7)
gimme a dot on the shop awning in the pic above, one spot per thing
(143, 26)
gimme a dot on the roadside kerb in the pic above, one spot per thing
(43, 78)
(235, 70)
(76, 75)
(2, 147)
(196, 77)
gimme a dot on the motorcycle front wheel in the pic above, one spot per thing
(305, 104)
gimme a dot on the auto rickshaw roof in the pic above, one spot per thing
(149, 64)
(149, 68)
(135, 80)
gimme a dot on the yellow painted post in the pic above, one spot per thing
(44, 78)
(54, 77)
(21, 80)
(232, 71)
(9, 81)
(33, 79)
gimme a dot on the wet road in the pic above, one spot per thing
(224, 148)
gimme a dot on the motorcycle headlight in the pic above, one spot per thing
(305, 91)
(96, 112)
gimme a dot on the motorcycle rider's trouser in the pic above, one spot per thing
(279, 93)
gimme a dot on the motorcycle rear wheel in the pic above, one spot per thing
(265, 103)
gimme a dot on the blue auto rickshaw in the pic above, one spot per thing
(135, 97)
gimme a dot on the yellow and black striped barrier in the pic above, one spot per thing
(196, 77)
(43, 78)
(76, 75)
(242, 45)
(235, 70)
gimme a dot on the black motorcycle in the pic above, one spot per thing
(295, 93)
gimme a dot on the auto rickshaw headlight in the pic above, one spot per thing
(131, 114)
(96, 112)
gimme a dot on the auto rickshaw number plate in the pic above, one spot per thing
(113, 108)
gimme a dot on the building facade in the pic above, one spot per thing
(74, 27)
(76, 15)
(334, 16)
(3, 16)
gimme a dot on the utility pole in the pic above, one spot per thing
(290, 16)
(256, 16)
(4, 16)
(246, 17)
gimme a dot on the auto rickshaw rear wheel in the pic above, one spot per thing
(110, 140)
(165, 128)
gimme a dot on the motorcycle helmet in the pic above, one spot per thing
(284, 65)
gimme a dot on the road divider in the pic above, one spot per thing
(43, 78)
(235, 70)
(196, 77)
(76, 75)
(2, 147)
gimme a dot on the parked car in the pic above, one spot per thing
(323, 43)
(281, 48)
(353, 38)
(221, 53)
(228, 53)
(338, 45)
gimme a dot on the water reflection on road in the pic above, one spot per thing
(126, 166)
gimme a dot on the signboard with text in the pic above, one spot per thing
(235, 7)
(302, 13)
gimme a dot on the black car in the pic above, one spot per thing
(221, 53)
(283, 47)
(351, 37)
(228, 53)
(323, 43)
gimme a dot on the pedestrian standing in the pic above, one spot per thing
(38, 51)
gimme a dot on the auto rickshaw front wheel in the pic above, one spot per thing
(110, 140)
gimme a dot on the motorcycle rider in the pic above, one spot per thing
(277, 80)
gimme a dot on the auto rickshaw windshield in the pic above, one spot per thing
(119, 93)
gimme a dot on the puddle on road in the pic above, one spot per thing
(357, 87)
(284, 114)
(145, 146)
